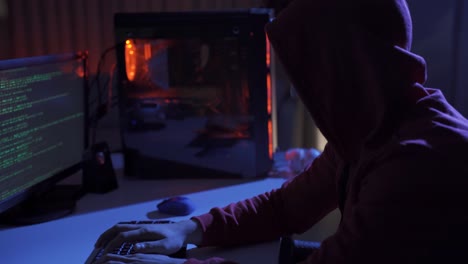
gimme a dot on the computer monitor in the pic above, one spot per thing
(194, 93)
(43, 126)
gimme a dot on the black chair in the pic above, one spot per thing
(293, 251)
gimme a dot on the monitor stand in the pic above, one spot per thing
(54, 204)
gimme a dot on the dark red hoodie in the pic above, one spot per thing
(396, 162)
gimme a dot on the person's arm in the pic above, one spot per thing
(294, 208)
(291, 209)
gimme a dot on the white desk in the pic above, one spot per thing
(70, 240)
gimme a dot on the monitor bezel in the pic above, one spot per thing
(50, 182)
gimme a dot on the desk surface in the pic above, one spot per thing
(71, 239)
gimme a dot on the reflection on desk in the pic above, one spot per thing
(71, 239)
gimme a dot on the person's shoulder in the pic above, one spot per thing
(417, 160)
(429, 148)
(435, 129)
(434, 120)
(444, 140)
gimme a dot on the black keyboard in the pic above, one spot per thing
(126, 248)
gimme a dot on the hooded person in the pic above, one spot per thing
(395, 163)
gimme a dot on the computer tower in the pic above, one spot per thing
(195, 94)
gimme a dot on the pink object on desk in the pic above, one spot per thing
(299, 158)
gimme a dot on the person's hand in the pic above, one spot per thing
(140, 259)
(151, 238)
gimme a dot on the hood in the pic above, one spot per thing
(351, 65)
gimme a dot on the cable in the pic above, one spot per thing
(110, 86)
(98, 72)
(101, 109)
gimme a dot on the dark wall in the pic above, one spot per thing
(433, 39)
(441, 36)
(461, 82)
